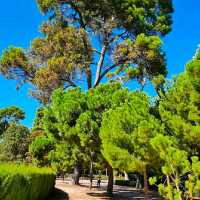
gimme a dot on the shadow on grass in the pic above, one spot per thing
(58, 195)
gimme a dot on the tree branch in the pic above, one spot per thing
(97, 51)
(83, 25)
(100, 64)
(104, 73)
(117, 36)
(108, 69)
(70, 82)
(89, 77)
(107, 42)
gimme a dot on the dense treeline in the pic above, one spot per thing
(115, 128)
(106, 126)
(128, 132)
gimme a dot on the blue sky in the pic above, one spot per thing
(19, 22)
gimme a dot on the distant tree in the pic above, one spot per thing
(126, 133)
(39, 149)
(61, 156)
(9, 115)
(15, 142)
(38, 123)
(85, 41)
(14, 137)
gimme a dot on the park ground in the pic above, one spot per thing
(66, 191)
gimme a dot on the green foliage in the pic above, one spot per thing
(9, 115)
(16, 58)
(39, 149)
(61, 54)
(126, 132)
(179, 148)
(86, 36)
(193, 183)
(22, 182)
(63, 157)
(144, 59)
(15, 142)
(176, 164)
(74, 120)
(134, 16)
(38, 121)
(65, 55)
(180, 110)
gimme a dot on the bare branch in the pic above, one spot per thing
(100, 63)
(108, 69)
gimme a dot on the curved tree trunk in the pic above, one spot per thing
(110, 181)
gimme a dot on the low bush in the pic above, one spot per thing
(23, 182)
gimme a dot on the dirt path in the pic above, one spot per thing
(66, 191)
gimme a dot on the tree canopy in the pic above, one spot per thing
(14, 137)
(133, 16)
(9, 115)
(126, 133)
(180, 109)
(84, 124)
(86, 40)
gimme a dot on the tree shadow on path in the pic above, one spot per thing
(58, 194)
(123, 195)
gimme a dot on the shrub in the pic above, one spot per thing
(23, 182)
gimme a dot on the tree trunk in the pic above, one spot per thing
(63, 174)
(126, 176)
(89, 78)
(77, 173)
(110, 181)
(145, 184)
(190, 188)
(178, 190)
(91, 174)
(100, 64)
(169, 193)
(138, 185)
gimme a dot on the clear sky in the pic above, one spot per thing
(20, 19)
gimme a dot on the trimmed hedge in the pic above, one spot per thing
(23, 182)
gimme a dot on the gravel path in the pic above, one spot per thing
(67, 191)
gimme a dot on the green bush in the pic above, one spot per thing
(23, 182)
(125, 183)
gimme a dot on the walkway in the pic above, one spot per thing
(66, 191)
